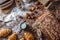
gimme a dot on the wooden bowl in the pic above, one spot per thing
(6, 4)
(2, 1)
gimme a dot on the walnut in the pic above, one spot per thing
(28, 36)
(5, 32)
(12, 37)
(30, 16)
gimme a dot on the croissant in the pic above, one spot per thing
(22, 39)
(12, 37)
(5, 32)
(28, 36)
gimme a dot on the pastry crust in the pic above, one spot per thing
(12, 37)
(5, 32)
(22, 39)
(28, 36)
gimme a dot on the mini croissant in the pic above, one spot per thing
(28, 36)
(5, 32)
(12, 37)
(22, 39)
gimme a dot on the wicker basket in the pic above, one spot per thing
(48, 25)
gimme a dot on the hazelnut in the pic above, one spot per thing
(12, 37)
(26, 15)
(33, 16)
(36, 3)
(32, 9)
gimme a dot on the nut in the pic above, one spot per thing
(36, 3)
(32, 8)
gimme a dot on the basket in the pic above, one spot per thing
(6, 4)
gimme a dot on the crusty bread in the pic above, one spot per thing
(48, 25)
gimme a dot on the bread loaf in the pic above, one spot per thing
(48, 25)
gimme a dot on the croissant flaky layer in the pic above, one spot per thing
(28, 36)
(12, 37)
(5, 32)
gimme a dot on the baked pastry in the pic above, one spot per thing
(28, 36)
(12, 37)
(22, 39)
(4, 32)
(48, 25)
